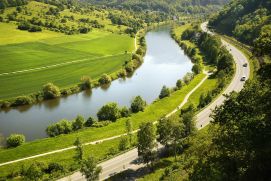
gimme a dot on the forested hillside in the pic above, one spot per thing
(247, 20)
(167, 6)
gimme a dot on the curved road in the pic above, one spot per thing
(125, 161)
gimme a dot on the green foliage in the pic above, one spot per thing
(105, 79)
(125, 112)
(86, 83)
(240, 137)
(78, 150)
(123, 144)
(90, 169)
(61, 127)
(188, 78)
(179, 84)
(51, 91)
(138, 104)
(78, 123)
(146, 142)
(109, 112)
(90, 121)
(22, 100)
(248, 21)
(197, 69)
(129, 129)
(165, 92)
(15, 140)
(35, 171)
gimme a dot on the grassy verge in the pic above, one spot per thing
(152, 113)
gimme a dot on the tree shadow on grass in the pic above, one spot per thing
(130, 174)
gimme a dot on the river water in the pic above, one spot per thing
(164, 64)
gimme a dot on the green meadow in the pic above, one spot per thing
(58, 58)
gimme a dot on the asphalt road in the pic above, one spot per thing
(127, 160)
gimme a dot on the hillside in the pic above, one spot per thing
(247, 20)
(167, 6)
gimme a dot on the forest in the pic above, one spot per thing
(247, 20)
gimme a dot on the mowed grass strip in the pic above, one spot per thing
(101, 52)
(66, 159)
(64, 76)
(152, 113)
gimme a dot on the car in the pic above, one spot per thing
(245, 65)
(243, 78)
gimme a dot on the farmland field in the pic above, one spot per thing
(57, 58)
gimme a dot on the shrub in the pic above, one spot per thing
(196, 68)
(34, 28)
(188, 78)
(35, 171)
(22, 100)
(84, 30)
(61, 127)
(109, 112)
(15, 140)
(124, 112)
(90, 121)
(122, 73)
(101, 124)
(123, 144)
(129, 67)
(24, 26)
(179, 84)
(138, 104)
(105, 79)
(78, 123)
(86, 83)
(54, 167)
(165, 92)
(51, 91)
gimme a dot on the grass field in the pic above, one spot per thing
(91, 54)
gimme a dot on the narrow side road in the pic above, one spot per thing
(125, 161)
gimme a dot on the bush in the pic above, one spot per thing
(86, 83)
(138, 104)
(165, 92)
(15, 140)
(129, 67)
(179, 84)
(78, 123)
(84, 30)
(22, 100)
(90, 121)
(35, 171)
(188, 78)
(34, 28)
(196, 69)
(105, 79)
(123, 144)
(61, 127)
(54, 167)
(51, 91)
(101, 124)
(24, 26)
(124, 112)
(109, 112)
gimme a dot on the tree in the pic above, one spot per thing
(171, 132)
(35, 171)
(51, 91)
(188, 120)
(90, 170)
(165, 92)
(90, 121)
(86, 83)
(78, 150)
(129, 129)
(15, 140)
(188, 78)
(105, 79)
(61, 127)
(125, 112)
(138, 104)
(179, 84)
(123, 144)
(146, 142)
(196, 69)
(109, 112)
(78, 123)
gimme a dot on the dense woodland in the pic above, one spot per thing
(168, 6)
(249, 21)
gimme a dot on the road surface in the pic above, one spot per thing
(126, 160)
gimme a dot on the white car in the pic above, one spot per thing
(243, 78)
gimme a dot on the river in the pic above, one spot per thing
(164, 63)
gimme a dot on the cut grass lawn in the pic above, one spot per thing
(98, 49)
(152, 113)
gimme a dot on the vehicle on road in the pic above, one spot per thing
(243, 78)
(245, 65)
